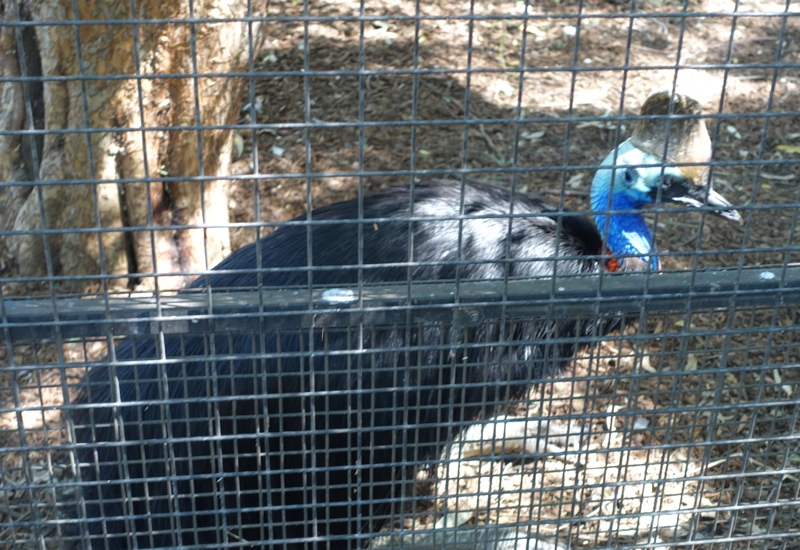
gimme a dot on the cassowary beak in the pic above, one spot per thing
(683, 191)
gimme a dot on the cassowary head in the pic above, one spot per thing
(635, 175)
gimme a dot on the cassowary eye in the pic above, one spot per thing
(630, 175)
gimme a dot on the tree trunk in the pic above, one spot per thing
(130, 146)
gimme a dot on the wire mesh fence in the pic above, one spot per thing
(422, 352)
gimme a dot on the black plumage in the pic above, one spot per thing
(372, 412)
(435, 240)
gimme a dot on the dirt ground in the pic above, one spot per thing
(553, 154)
(677, 447)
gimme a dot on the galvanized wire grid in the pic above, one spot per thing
(681, 427)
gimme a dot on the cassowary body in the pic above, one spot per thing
(288, 441)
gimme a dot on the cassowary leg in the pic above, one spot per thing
(506, 438)
(512, 437)
(485, 537)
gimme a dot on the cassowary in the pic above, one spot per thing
(253, 440)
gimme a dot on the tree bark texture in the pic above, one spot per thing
(173, 81)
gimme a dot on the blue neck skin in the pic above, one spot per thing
(627, 233)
